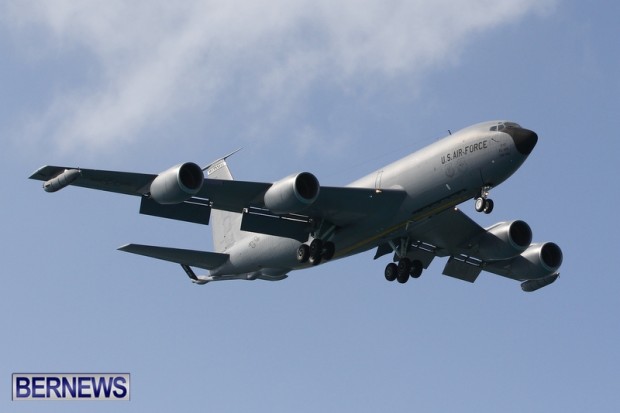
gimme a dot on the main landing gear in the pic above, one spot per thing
(316, 252)
(482, 202)
(319, 249)
(406, 267)
(403, 270)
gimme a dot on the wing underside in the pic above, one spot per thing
(452, 234)
(340, 206)
(504, 249)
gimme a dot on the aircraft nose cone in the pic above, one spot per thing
(524, 139)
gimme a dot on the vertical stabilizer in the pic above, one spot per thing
(225, 225)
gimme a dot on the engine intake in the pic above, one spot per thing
(547, 255)
(292, 194)
(177, 184)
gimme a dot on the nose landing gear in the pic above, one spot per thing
(482, 202)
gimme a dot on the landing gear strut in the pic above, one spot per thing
(482, 202)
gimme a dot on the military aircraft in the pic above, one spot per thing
(407, 209)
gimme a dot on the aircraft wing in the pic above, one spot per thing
(339, 206)
(504, 249)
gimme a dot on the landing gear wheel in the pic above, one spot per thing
(416, 269)
(329, 249)
(480, 203)
(391, 271)
(316, 248)
(402, 278)
(303, 253)
(315, 260)
(402, 273)
(488, 206)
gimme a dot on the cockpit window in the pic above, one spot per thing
(503, 125)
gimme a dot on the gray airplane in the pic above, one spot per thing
(406, 209)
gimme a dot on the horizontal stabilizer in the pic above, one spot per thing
(200, 259)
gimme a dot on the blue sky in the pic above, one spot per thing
(337, 88)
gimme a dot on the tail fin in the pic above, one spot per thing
(225, 225)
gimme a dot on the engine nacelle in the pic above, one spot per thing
(292, 194)
(177, 184)
(505, 240)
(543, 259)
(537, 262)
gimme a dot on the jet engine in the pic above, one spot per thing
(292, 194)
(177, 184)
(505, 240)
(538, 261)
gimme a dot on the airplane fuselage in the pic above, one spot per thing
(438, 177)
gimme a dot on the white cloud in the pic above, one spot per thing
(155, 59)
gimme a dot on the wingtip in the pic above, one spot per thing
(38, 174)
(124, 248)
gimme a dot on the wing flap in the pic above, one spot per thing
(461, 270)
(188, 211)
(200, 259)
(265, 223)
